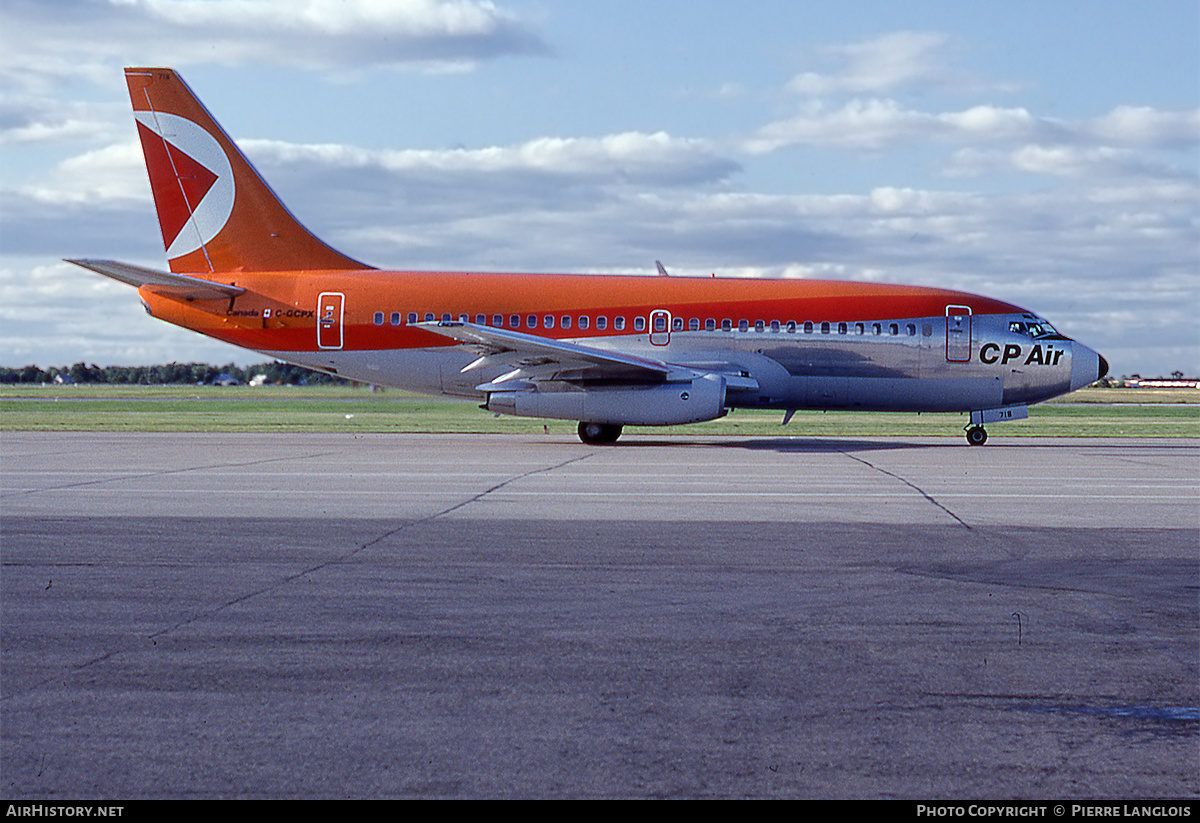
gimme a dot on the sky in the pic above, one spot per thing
(1046, 154)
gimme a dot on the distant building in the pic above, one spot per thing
(1175, 381)
(225, 380)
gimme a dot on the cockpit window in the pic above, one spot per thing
(1037, 329)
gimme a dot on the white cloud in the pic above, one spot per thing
(654, 159)
(318, 33)
(115, 172)
(870, 121)
(874, 124)
(420, 18)
(28, 120)
(75, 38)
(878, 65)
(1143, 126)
(1064, 161)
(1116, 142)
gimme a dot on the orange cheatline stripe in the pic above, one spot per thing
(440, 293)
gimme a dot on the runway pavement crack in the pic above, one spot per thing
(164, 473)
(473, 499)
(912, 486)
(333, 561)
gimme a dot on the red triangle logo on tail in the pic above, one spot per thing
(177, 181)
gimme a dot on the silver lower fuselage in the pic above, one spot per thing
(935, 364)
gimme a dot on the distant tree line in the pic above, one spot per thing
(170, 373)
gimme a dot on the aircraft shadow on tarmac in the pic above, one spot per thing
(783, 445)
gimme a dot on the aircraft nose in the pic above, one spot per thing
(1087, 366)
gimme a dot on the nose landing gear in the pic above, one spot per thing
(976, 436)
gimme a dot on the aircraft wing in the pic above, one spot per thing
(177, 285)
(541, 358)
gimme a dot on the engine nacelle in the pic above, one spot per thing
(663, 404)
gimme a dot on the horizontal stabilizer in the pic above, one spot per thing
(178, 285)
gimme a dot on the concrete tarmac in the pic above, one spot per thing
(326, 616)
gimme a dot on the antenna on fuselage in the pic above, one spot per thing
(662, 270)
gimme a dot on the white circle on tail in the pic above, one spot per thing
(211, 214)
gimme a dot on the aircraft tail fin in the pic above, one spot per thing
(216, 212)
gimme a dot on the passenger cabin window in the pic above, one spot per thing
(825, 328)
(412, 317)
(395, 318)
(639, 323)
(548, 321)
(446, 318)
(726, 325)
(481, 320)
(743, 325)
(808, 327)
(893, 329)
(378, 318)
(565, 321)
(911, 330)
(531, 321)
(694, 324)
(583, 322)
(710, 324)
(619, 324)
(429, 318)
(515, 321)
(498, 320)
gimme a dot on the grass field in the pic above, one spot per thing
(1087, 413)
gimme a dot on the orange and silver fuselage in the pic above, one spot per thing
(604, 350)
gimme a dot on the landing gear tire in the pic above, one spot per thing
(976, 436)
(599, 434)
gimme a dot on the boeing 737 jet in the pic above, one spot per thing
(606, 351)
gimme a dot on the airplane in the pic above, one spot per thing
(607, 351)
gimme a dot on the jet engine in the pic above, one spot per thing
(661, 404)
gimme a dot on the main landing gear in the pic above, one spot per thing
(976, 435)
(599, 434)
